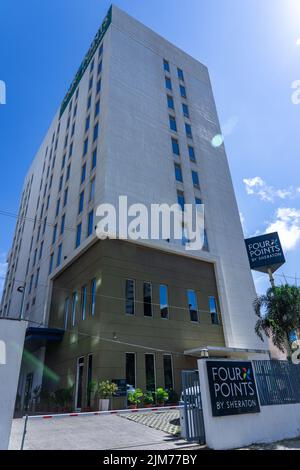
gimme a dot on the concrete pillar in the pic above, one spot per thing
(12, 335)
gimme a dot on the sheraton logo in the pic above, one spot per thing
(232, 388)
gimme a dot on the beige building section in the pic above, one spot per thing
(110, 333)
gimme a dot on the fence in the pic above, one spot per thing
(278, 382)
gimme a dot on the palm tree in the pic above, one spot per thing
(278, 313)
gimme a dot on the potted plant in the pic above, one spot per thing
(161, 396)
(105, 390)
(148, 399)
(63, 398)
(135, 397)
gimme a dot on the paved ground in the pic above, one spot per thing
(287, 444)
(94, 433)
(167, 421)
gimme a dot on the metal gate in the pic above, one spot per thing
(192, 423)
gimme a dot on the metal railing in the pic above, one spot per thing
(278, 382)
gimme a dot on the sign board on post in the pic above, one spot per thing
(232, 388)
(265, 252)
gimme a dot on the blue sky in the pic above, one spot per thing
(250, 48)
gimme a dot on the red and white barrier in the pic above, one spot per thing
(111, 412)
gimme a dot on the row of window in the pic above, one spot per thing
(130, 302)
(164, 303)
(150, 371)
(71, 305)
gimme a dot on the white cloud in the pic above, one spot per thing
(258, 187)
(287, 224)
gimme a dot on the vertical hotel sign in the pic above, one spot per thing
(98, 38)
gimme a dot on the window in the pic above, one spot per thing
(188, 130)
(97, 108)
(98, 87)
(75, 111)
(198, 200)
(100, 50)
(37, 277)
(130, 369)
(71, 149)
(85, 146)
(92, 66)
(168, 371)
(100, 67)
(83, 173)
(57, 207)
(172, 122)
(58, 261)
(62, 224)
(166, 66)
(34, 258)
(73, 129)
(83, 302)
(163, 299)
(81, 201)
(213, 310)
(180, 74)
(30, 284)
(89, 102)
(54, 234)
(178, 172)
(96, 131)
(60, 183)
(205, 246)
(193, 308)
(195, 178)
(175, 147)
(147, 299)
(94, 159)
(63, 161)
(51, 263)
(192, 153)
(93, 297)
(87, 123)
(68, 172)
(78, 235)
(150, 372)
(92, 189)
(182, 91)
(45, 225)
(89, 379)
(41, 250)
(48, 202)
(180, 199)
(129, 295)
(74, 305)
(170, 102)
(185, 110)
(90, 83)
(67, 302)
(90, 223)
(66, 196)
(168, 83)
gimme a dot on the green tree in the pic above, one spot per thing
(278, 313)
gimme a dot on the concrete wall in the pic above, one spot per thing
(12, 334)
(273, 423)
(111, 263)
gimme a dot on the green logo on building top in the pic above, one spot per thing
(98, 38)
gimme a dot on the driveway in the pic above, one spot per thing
(91, 433)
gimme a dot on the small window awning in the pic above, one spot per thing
(43, 335)
(222, 351)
